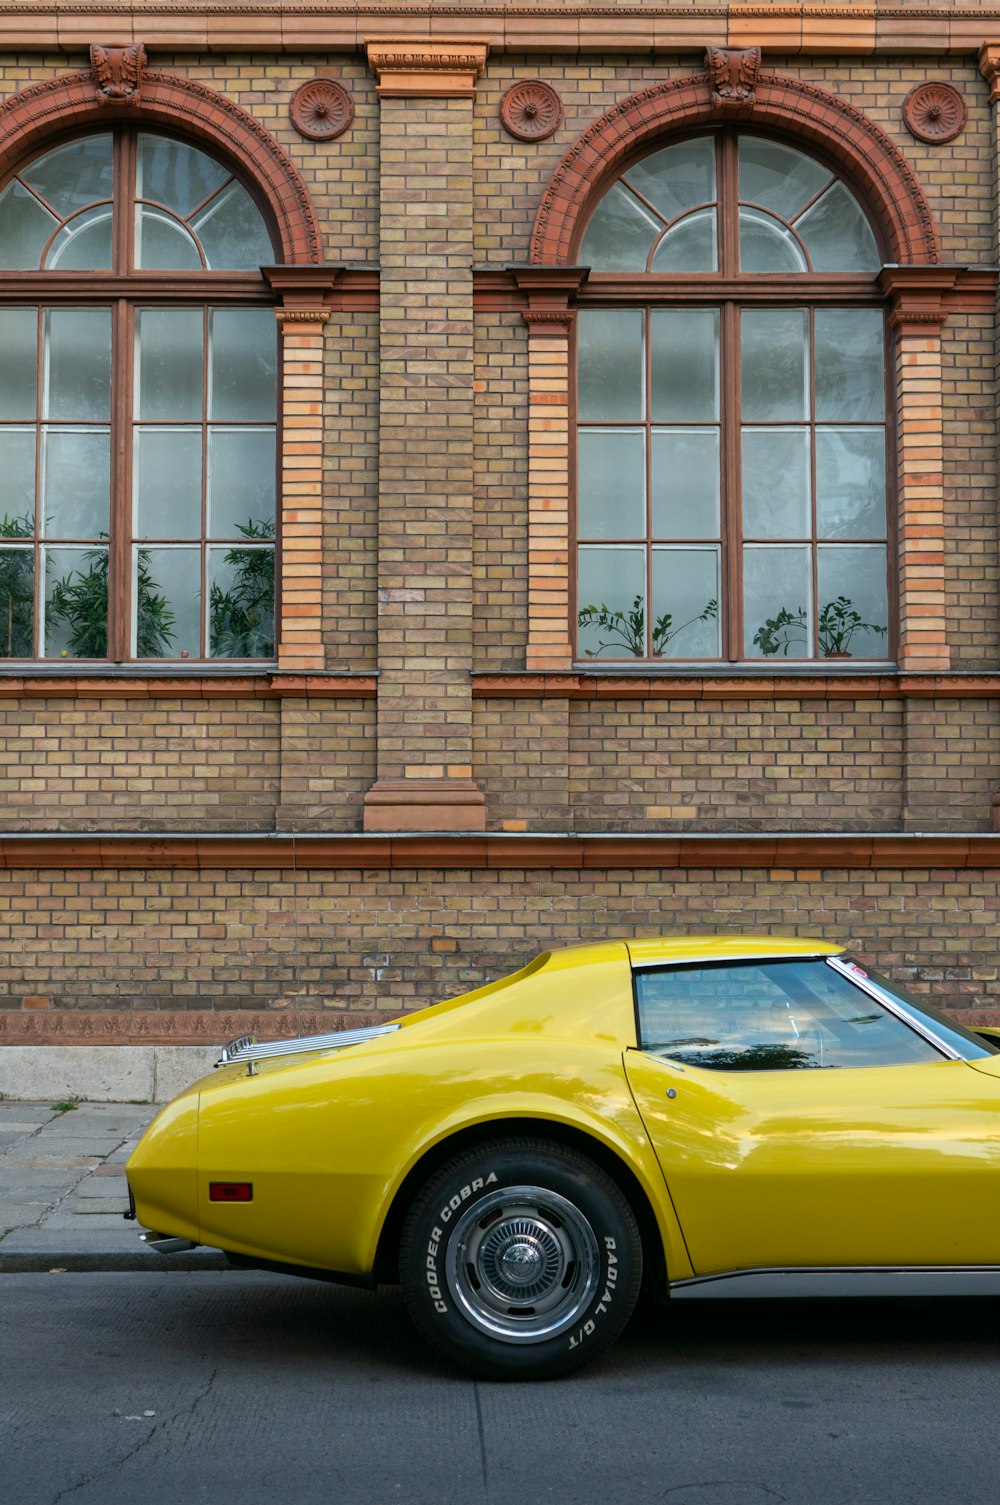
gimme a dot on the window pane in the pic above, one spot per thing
(620, 234)
(176, 175)
(241, 481)
(169, 360)
(777, 601)
(611, 483)
(776, 483)
(164, 242)
(167, 483)
(775, 364)
(232, 232)
(854, 613)
(678, 178)
(17, 601)
(850, 364)
(241, 603)
(611, 602)
(75, 175)
(243, 371)
(767, 1016)
(778, 178)
(686, 603)
(17, 483)
(76, 603)
(685, 365)
(837, 235)
(78, 364)
(689, 247)
(24, 229)
(84, 244)
(166, 595)
(610, 344)
(19, 366)
(766, 246)
(850, 483)
(76, 482)
(686, 483)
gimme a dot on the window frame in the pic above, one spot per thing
(124, 293)
(731, 291)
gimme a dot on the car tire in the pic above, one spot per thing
(520, 1259)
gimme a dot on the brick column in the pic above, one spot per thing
(302, 316)
(549, 317)
(919, 296)
(424, 759)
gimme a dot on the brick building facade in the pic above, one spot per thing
(435, 765)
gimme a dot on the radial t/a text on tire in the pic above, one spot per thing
(520, 1259)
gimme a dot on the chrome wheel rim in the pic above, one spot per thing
(523, 1264)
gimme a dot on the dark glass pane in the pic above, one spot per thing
(17, 483)
(689, 246)
(72, 176)
(776, 483)
(837, 235)
(25, 227)
(19, 365)
(241, 602)
(232, 232)
(76, 602)
(775, 356)
(620, 234)
(767, 246)
(166, 597)
(176, 175)
(853, 607)
(777, 177)
(850, 483)
(164, 243)
(685, 620)
(611, 483)
(76, 482)
(777, 601)
(244, 364)
(78, 364)
(84, 244)
(611, 602)
(850, 364)
(685, 364)
(166, 479)
(169, 357)
(17, 601)
(685, 483)
(678, 178)
(241, 480)
(610, 352)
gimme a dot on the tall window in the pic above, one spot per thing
(731, 448)
(137, 406)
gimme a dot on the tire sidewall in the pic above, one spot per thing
(444, 1202)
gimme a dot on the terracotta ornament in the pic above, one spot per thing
(934, 113)
(531, 110)
(321, 109)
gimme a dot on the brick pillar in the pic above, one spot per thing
(424, 759)
(919, 296)
(302, 317)
(549, 318)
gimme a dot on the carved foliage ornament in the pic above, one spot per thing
(935, 113)
(733, 73)
(531, 110)
(321, 109)
(118, 72)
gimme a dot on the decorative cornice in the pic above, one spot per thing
(39, 686)
(302, 316)
(838, 685)
(441, 69)
(478, 850)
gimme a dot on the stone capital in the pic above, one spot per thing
(443, 69)
(989, 67)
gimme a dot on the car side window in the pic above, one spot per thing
(769, 1016)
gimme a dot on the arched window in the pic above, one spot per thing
(137, 406)
(731, 445)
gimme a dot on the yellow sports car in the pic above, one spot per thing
(524, 1158)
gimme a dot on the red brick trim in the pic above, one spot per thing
(735, 687)
(188, 687)
(797, 109)
(492, 851)
(70, 103)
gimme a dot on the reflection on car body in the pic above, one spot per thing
(523, 1158)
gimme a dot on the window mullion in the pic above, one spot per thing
(120, 541)
(732, 511)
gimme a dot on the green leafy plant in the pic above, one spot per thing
(65, 1107)
(80, 601)
(627, 629)
(17, 592)
(837, 625)
(242, 617)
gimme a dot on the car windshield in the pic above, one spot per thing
(968, 1044)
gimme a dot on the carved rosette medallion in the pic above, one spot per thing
(733, 72)
(118, 72)
(531, 110)
(321, 109)
(934, 113)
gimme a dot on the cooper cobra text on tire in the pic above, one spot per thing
(520, 1259)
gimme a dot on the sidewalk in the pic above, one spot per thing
(63, 1191)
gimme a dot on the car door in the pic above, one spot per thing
(799, 1123)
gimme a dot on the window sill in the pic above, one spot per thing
(862, 681)
(198, 682)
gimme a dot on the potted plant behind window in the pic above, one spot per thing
(17, 595)
(837, 625)
(629, 628)
(80, 601)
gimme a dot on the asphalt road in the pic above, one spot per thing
(135, 1389)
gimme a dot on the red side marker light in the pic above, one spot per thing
(230, 1191)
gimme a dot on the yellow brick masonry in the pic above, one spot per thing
(301, 645)
(920, 477)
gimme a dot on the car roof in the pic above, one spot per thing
(649, 951)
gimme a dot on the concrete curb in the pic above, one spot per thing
(45, 1261)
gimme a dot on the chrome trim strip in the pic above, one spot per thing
(874, 991)
(723, 961)
(336, 1041)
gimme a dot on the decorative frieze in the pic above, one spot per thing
(442, 69)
